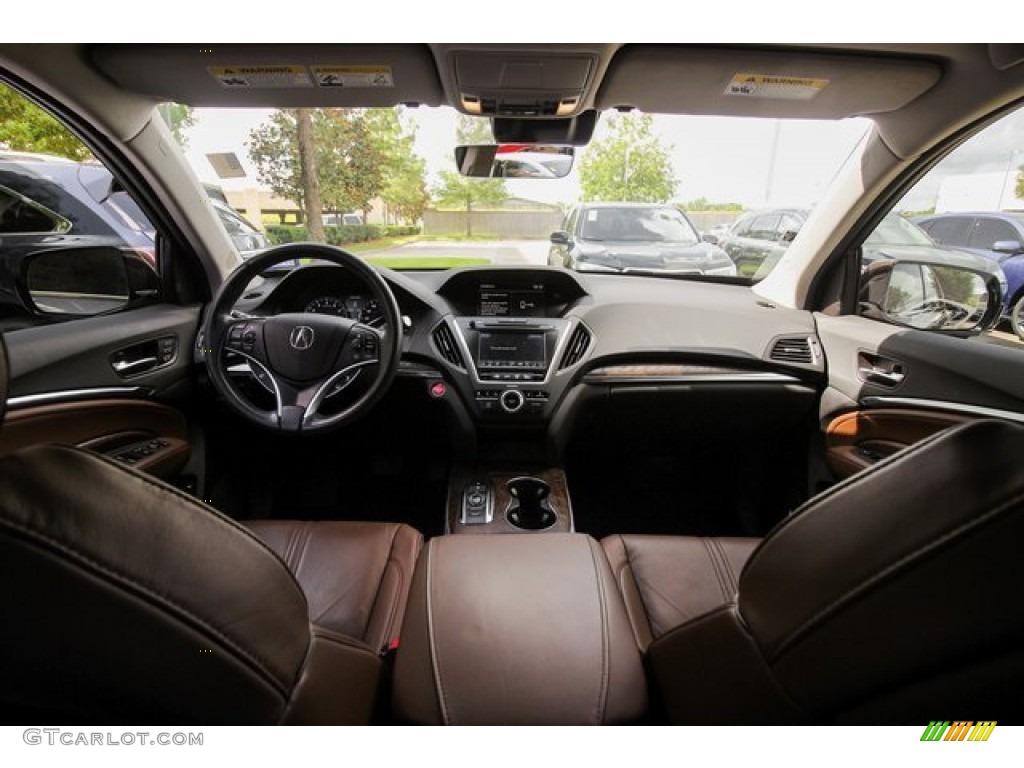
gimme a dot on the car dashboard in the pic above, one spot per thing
(514, 341)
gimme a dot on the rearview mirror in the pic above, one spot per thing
(514, 161)
(936, 297)
(88, 281)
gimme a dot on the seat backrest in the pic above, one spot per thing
(125, 601)
(891, 598)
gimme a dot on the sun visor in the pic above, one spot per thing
(761, 83)
(275, 75)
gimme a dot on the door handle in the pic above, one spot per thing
(125, 367)
(879, 376)
(882, 371)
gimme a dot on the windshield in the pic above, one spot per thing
(388, 186)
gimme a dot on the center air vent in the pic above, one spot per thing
(445, 341)
(576, 348)
(797, 349)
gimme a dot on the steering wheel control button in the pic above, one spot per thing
(511, 400)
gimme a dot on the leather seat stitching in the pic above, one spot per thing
(602, 695)
(134, 585)
(730, 574)
(629, 612)
(902, 564)
(715, 565)
(392, 608)
(435, 656)
(632, 575)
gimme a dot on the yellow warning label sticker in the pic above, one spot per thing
(248, 76)
(775, 86)
(353, 76)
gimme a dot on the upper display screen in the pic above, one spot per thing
(518, 301)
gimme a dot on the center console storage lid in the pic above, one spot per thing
(517, 630)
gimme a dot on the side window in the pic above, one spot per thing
(949, 230)
(987, 232)
(72, 241)
(765, 227)
(786, 224)
(21, 216)
(941, 273)
(742, 227)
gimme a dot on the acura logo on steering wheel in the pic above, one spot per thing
(301, 337)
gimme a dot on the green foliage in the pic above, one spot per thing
(703, 204)
(179, 118)
(405, 173)
(24, 127)
(629, 163)
(278, 234)
(349, 164)
(1019, 189)
(361, 155)
(458, 192)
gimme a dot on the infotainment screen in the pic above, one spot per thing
(512, 301)
(512, 349)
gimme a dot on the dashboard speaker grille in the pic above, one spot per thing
(445, 341)
(576, 348)
(793, 350)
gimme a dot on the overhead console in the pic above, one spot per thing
(509, 340)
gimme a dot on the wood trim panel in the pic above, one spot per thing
(559, 499)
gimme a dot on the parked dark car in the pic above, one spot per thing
(997, 236)
(761, 236)
(634, 237)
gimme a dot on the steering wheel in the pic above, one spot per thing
(303, 358)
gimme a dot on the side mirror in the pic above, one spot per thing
(87, 281)
(952, 299)
(514, 161)
(707, 237)
(561, 237)
(1007, 246)
(789, 236)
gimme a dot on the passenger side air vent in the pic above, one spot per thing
(445, 341)
(797, 349)
(576, 348)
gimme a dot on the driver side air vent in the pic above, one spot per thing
(793, 350)
(576, 348)
(445, 341)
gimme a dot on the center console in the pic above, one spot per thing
(509, 341)
(508, 502)
(517, 630)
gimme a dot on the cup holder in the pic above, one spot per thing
(529, 507)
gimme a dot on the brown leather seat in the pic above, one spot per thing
(124, 600)
(355, 575)
(889, 598)
(668, 580)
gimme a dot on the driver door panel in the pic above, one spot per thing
(65, 387)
